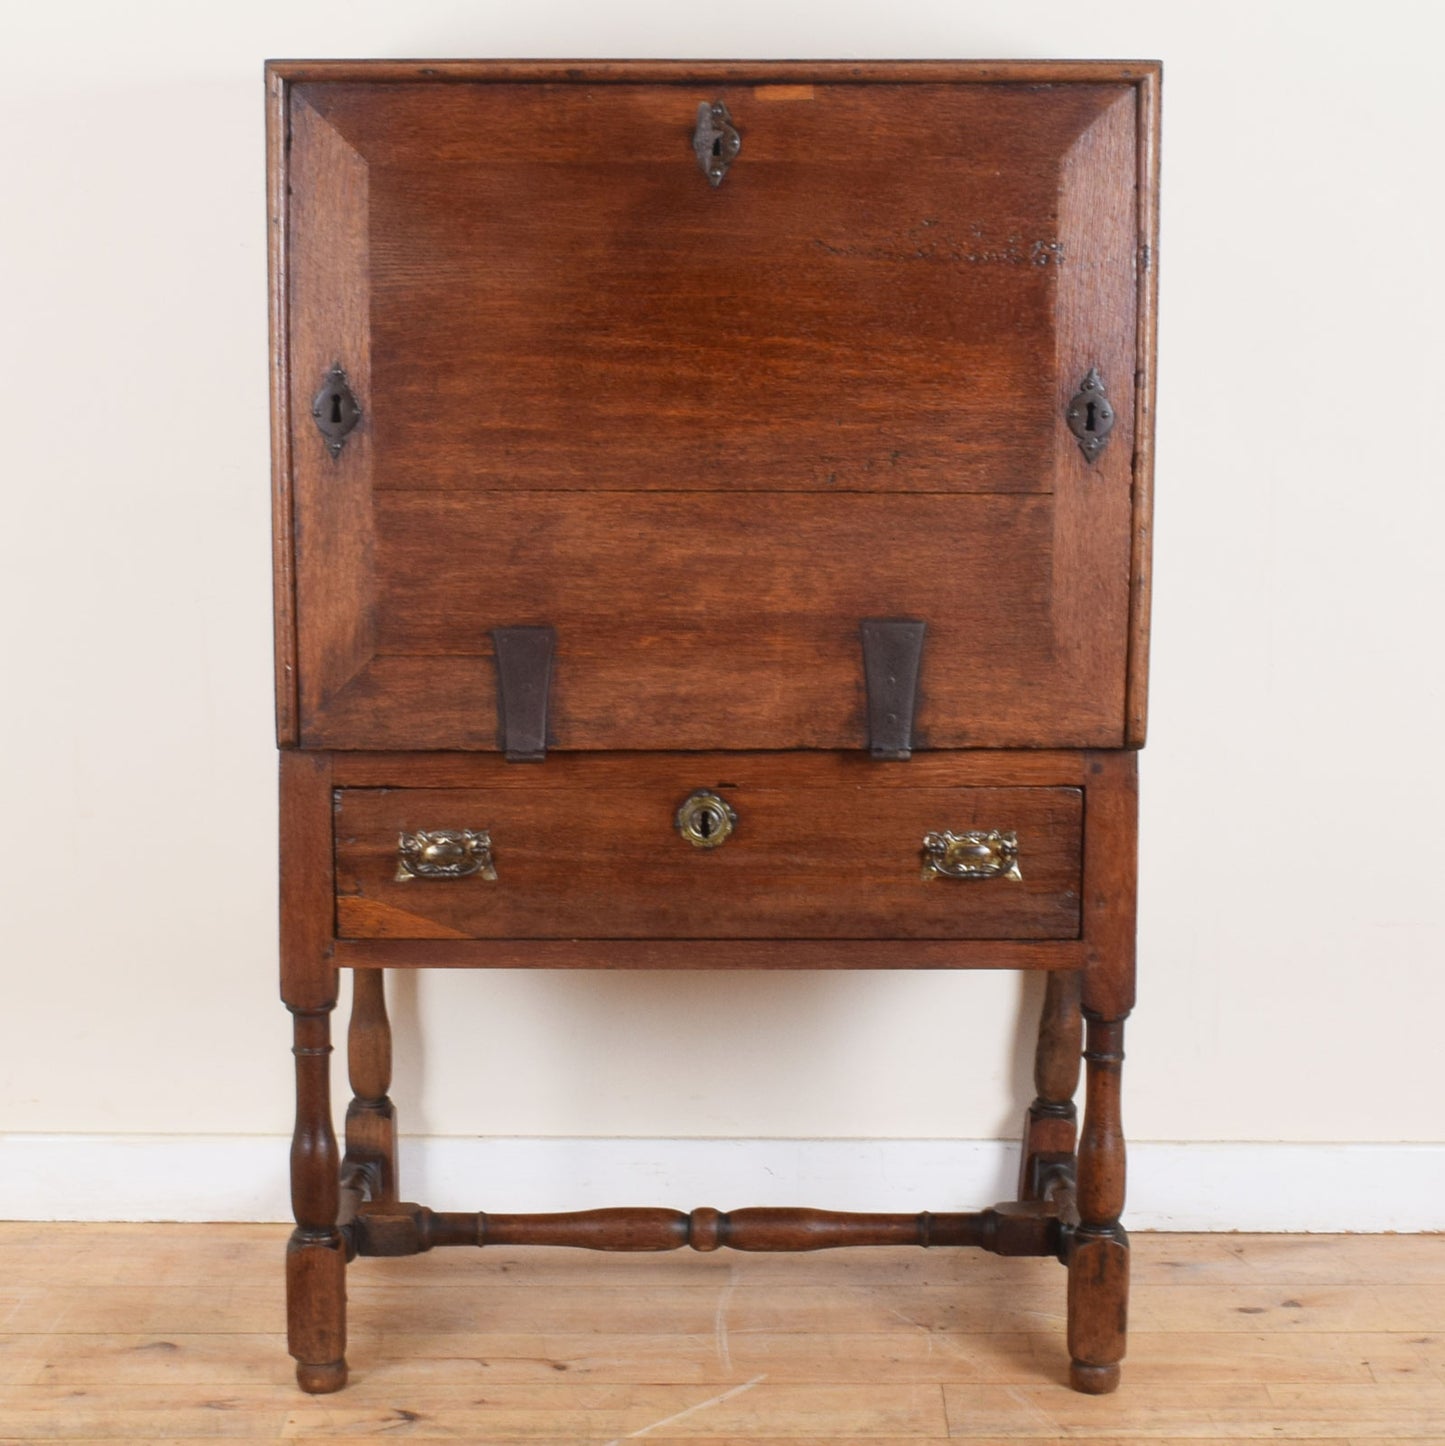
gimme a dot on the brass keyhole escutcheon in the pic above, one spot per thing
(705, 819)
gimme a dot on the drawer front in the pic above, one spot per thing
(797, 862)
(703, 431)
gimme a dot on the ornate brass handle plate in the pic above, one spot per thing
(706, 820)
(445, 853)
(980, 854)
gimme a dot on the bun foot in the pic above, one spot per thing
(1093, 1380)
(322, 1380)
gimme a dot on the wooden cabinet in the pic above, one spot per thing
(712, 509)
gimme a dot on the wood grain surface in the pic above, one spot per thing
(328, 323)
(679, 422)
(170, 1333)
(559, 299)
(975, 768)
(710, 622)
(444, 953)
(801, 863)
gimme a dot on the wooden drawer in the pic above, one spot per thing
(819, 862)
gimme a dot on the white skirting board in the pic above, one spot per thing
(1172, 1186)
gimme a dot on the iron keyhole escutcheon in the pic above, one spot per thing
(1090, 415)
(335, 409)
(715, 141)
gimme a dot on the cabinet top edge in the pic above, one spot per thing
(679, 72)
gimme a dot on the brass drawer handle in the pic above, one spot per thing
(980, 854)
(705, 819)
(444, 853)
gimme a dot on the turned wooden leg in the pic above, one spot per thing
(1099, 1259)
(315, 1257)
(370, 1117)
(1049, 1126)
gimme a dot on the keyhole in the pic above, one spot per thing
(717, 146)
(705, 821)
(336, 409)
(1090, 417)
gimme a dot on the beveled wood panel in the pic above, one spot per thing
(325, 503)
(705, 621)
(559, 299)
(801, 863)
(922, 355)
(707, 587)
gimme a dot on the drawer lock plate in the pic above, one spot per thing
(706, 820)
(976, 855)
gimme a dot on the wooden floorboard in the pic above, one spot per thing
(172, 1334)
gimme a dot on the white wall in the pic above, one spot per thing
(1293, 936)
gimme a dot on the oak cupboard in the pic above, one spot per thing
(712, 530)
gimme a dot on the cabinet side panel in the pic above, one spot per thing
(1136, 720)
(282, 523)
